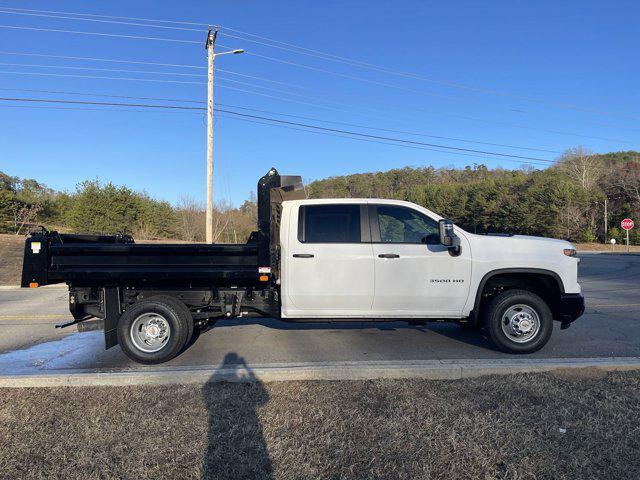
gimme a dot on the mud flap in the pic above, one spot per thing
(111, 309)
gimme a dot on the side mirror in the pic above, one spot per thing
(448, 238)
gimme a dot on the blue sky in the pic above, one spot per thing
(478, 63)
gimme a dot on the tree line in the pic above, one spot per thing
(104, 208)
(565, 200)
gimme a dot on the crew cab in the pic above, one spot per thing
(314, 259)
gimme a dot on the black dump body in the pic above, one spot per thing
(85, 261)
(100, 261)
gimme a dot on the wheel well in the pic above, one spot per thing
(545, 285)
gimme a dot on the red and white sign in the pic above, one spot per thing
(627, 224)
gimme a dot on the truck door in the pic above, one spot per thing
(414, 274)
(329, 262)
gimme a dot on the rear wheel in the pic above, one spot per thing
(519, 321)
(155, 330)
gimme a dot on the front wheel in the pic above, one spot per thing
(155, 330)
(519, 321)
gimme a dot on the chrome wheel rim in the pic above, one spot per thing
(150, 332)
(520, 323)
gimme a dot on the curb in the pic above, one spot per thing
(432, 370)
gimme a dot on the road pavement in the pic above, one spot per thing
(29, 343)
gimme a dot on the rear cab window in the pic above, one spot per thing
(331, 223)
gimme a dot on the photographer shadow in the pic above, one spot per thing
(236, 447)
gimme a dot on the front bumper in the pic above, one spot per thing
(570, 306)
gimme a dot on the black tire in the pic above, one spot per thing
(187, 314)
(178, 320)
(495, 318)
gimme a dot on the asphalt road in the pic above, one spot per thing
(610, 328)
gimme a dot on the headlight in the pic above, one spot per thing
(569, 252)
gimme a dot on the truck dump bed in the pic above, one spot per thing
(85, 260)
(116, 260)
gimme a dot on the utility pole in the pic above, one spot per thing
(606, 223)
(210, 44)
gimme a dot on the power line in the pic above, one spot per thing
(464, 117)
(134, 37)
(102, 109)
(284, 122)
(119, 70)
(421, 93)
(266, 95)
(379, 137)
(95, 59)
(556, 132)
(474, 119)
(263, 79)
(67, 57)
(375, 82)
(284, 99)
(85, 102)
(404, 132)
(102, 69)
(525, 127)
(308, 51)
(239, 116)
(379, 142)
(49, 107)
(90, 94)
(294, 94)
(99, 77)
(64, 17)
(370, 66)
(342, 75)
(99, 109)
(106, 16)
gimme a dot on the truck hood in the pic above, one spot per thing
(517, 245)
(549, 241)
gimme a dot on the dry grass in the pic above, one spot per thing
(11, 252)
(486, 428)
(601, 247)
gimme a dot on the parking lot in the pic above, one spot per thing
(29, 343)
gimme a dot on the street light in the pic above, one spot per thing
(211, 38)
(235, 52)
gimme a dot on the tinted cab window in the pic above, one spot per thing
(404, 225)
(329, 224)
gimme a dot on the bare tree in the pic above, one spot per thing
(628, 181)
(221, 219)
(574, 221)
(24, 214)
(191, 218)
(582, 166)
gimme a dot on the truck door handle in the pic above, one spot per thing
(389, 255)
(302, 255)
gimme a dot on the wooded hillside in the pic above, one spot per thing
(565, 200)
